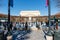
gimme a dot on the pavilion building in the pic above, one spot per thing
(29, 16)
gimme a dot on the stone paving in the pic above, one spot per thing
(30, 35)
(36, 35)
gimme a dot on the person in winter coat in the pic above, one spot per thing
(26, 26)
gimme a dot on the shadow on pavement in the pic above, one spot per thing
(21, 35)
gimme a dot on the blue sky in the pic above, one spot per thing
(21, 5)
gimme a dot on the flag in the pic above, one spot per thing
(47, 2)
(11, 3)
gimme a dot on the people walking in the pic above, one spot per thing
(14, 26)
(26, 26)
(11, 26)
(4, 24)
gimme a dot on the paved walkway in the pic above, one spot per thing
(29, 35)
(35, 35)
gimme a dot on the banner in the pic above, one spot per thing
(46, 2)
(11, 3)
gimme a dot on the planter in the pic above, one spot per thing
(49, 37)
(9, 37)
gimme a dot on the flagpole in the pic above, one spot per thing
(49, 12)
(49, 15)
(8, 14)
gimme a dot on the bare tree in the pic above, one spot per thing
(0, 2)
(57, 3)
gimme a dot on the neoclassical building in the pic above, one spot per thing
(33, 16)
(29, 16)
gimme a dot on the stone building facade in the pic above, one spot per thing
(29, 18)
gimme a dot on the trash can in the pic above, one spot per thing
(1, 35)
